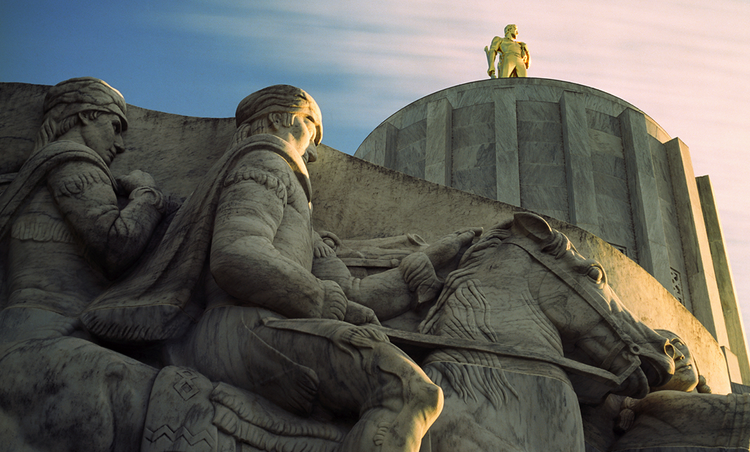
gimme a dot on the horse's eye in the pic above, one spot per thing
(595, 273)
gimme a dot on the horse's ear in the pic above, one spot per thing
(531, 226)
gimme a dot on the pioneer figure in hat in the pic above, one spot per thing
(68, 236)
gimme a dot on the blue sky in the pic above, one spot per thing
(685, 63)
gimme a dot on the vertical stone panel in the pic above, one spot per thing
(578, 163)
(473, 149)
(615, 217)
(672, 235)
(411, 146)
(390, 143)
(373, 149)
(647, 218)
(733, 365)
(437, 167)
(699, 267)
(724, 280)
(541, 158)
(506, 147)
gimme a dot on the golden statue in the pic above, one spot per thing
(514, 56)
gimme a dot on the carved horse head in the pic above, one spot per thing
(523, 285)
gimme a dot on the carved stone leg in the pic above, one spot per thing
(346, 369)
(224, 347)
(359, 373)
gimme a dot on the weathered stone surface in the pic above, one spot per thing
(586, 157)
(237, 327)
(243, 237)
(732, 316)
(603, 122)
(397, 202)
(683, 414)
(500, 296)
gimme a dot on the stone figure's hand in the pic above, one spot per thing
(360, 315)
(334, 301)
(703, 387)
(321, 249)
(419, 275)
(444, 250)
(626, 417)
(135, 179)
(360, 336)
(625, 420)
(325, 244)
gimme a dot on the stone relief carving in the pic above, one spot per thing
(514, 58)
(504, 334)
(241, 328)
(62, 214)
(69, 227)
(683, 413)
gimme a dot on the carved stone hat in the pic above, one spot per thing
(84, 94)
(279, 99)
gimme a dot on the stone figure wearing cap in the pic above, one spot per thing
(68, 236)
(257, 300)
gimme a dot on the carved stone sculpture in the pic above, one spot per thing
(240, 328)
(514, 56)
(247, 294)
(683, 414)
(686, 377)
(67, 237)
(523, 308)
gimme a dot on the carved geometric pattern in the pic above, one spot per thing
(185, 386)
(182, 436)
(677, 285)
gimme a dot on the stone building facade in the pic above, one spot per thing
(585, 157)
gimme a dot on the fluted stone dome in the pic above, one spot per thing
(579, 155)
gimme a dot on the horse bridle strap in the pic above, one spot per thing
(431, 341)
(593, 299)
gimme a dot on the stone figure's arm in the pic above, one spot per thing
(387, 294)
(112, 238)
(246, 264)
(399, 289)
